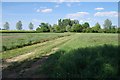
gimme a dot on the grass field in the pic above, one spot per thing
(80, 55)
(17, 40)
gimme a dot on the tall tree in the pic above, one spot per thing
(19, 25)
(60, 23)
(44, 27)
(76, 28)
(68, 28)
(6, 26)
(76, 22)
(31, 26)
(107, 24)
(56, 28)
(96, 28)
(85, 25)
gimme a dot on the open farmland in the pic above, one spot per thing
(17, 40)
(79, 55)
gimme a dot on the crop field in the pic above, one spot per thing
(17, 40)
(61, 55)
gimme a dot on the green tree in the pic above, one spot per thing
(44, 27)
(19, 25)
(65, 22)
(88, 30)
(60, 22)
(113, 29)
(76, 28)
(118, 30)
(56, 28)
(68, 28)
(76, 22)
(96, 28)
(6, 26)
(31, 26)
(107, 24)
(85, 25)
(51, 29)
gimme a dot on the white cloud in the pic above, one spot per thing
(77, 15)
(69, 5)
(47, 10)
(60, 1)
(108, 14)
(99, 9)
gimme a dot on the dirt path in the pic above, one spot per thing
(36, 65)
(27, 55)
(41, 50)
(28, 72)
(31, 67)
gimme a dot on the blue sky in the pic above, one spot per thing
(60, 0)
(50, 12)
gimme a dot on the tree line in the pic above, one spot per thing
(68, 25)
(18, 26)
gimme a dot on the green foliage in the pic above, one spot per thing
(31, 26)
(76, 28)
(88, 30)
(68, 25)
(96, 28)
(118, 30)
(43, 27)
(66, 22)
(68, 28)
(6, 26)
(56, 28)
(52, 29)
(107, 24)
(19, 25)
(85, 25)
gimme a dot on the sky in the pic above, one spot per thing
(50, 12)
(59, 0)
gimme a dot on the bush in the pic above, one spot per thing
(4, 48)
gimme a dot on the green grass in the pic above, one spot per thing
(85, 56)
(32, 48)
(90, 62)
(17, 40)
(82, 40)
(82, 55)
